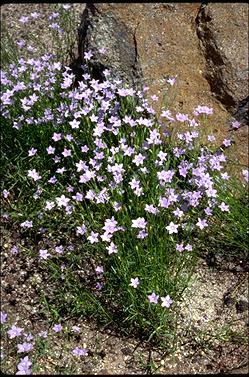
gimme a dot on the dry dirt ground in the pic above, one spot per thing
(214, 310)
(212, 325)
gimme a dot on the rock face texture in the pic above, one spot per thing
(206, 47)
(101, 29)
(223, 32)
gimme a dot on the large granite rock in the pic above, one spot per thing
(100, 29)
(204, 46)
(223, 32)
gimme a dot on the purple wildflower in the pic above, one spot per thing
(227, 142)
(171, 81)
(180, 247)
(99, 269)
(139, 223)
(24, 347)
(14, 331)
(236, 124)
(24, 366)
(202, 223)
(57, 327)
(27, 224)
(172, 228)
(93, 238)
(134, 282)
(76, 329)
(34, 174)
(112, 248)
(80, 351)
(224, 207)
(153, 298)
(166, 301)
(32, 152)
(246, 174)
(44, 254)
(3, 317)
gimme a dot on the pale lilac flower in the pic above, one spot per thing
(134, 282)
(59, 249)
(80, 351)
(50, 150)
(66, 6)
(117, 206)
(154, 98)
(27, 224)
(139, 159)
(102, 50)
(88, 55)
(180, 247)
(142, 234)
(24, 366)
(57, 327)
(227, 142)
(189, 247)
(112, 248)
(153, 298)
(203, 110)
(99, 285)
(110, 225)
(34, 15)
(49, 205)
(78, 197)
(67, 152)
(151, 209)
(139, 223)
(165, 175)
(3, 317)
(56, 136)
(166, 301)
(24, 347)
(134, 183)
(99, 269)
(32, 152)
(14, 250)
(225, 176)
(21, 43)
(74, 123)
(62, 201)
(208, 211)
(202, 223)
(171, 80)
(76, 329)
(181, 117)
(81, 230)
(93, 238)
(29, 337)
(44, 254)
(178, 212)
(224, 207)
(14, 331)
(43, 334)
(167, 114)
(172, 228)
(34, 174)
(52, 180)
(5, 193)
(236, 124)
(23, 19)
(245, 173)
(211, 138)
(84, 148)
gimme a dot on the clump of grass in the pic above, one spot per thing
(119, 206)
